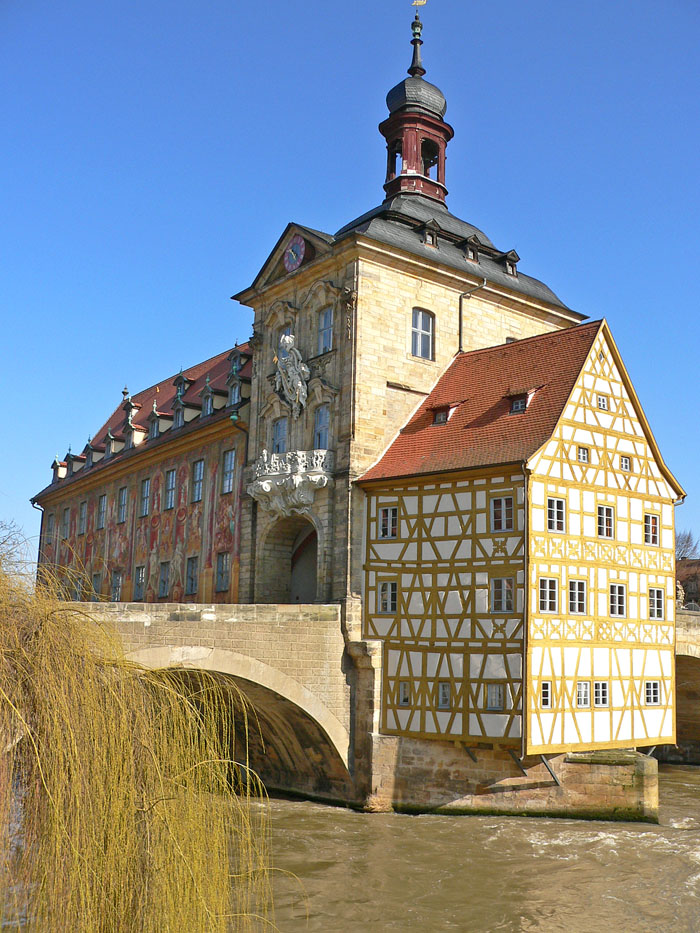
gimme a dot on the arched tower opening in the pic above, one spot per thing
(288, 561)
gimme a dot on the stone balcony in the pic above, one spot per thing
(286, 484)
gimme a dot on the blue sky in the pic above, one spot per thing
(154, 150)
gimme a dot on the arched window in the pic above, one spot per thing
(395, 161)
(430, 153)
(322, 419)
(423, 334)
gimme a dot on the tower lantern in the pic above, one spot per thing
(415, 131)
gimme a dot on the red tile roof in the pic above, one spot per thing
(479, 387)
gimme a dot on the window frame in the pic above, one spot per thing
(652, 693)
(553, 517)
(145, 497)
(387, 597)
(617, 599)
(583, 694)
(169, 492)
(65, 523)
(164, 579)
(82, 517)
(228, 470)
(101, 512)
(197, 492)
(192, 575)
(116, 584)
(444, 702)
(601, 694)
(122, 504)
(139, 583)
(545, 694)
(280, 443)
(506, 590)
(419, 334)
(548, 590)
(578, 594)
(606, 521)
(325, 329)
(652, 529)
(657, 603)
(518, 405)
(404, 698)
(392, 523)
(501, 502)
(628, 468)
(223, 572)
(583, 454)
(322, 410)
(498, 688)
(603, 402)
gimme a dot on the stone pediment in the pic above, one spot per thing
(286, 484)
(273, 268)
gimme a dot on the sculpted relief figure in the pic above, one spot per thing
(292, 375)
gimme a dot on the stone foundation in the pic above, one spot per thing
(416, 775)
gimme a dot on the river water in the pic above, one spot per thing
(338, 871)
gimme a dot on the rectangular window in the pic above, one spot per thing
(207, 406)
(96, 586)
(164, 579)
(121, 505)
(197, 480)
(652, 693)
(325, 330)
(422, 334)
(178, 418)
(279, 436)
(322, 420)
(444, 694)
(101, 511)
(235, 396)
(601, 693)
(139, 582)
(618, 599)
(603, 402)
(145, 500)
(577, 597)
(548, 594)
(656, 603)
(502, 514)
(606, 521)
(65, 523)
(192, 578)
(50, 526)
(169, 502)
(389, 521)
(546, 694)
(82, 517)
(583, 694)
(387, 598)
(153, 429)
(556, 515)
(223, 571)
(404, 693)
(651, 529)
(625, 464)
(518, 404)
(582, 455)
(441, 416)
(228, 467)
(116, 589)
(502, 595)
(495, 696)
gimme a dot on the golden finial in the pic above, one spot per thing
(419, 2)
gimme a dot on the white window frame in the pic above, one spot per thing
(583, 694)
(325, 330)
(423, 334)
(145, 497)
(618, 600)
(578, 596)
(235, 394)
(501, 520)
(169, 490)
(387, 597)
(603, 403)
(502, 594)
(656, 603)
(601, 694)
(388, 523)
(625, 464)
(197, 481)
(651, 529)
(549, 594)
(583, 455)
(122, 497)
(556, 514)
(279, 436)
(518, 404)
(606, 522)
(228, 467)
(652, 693)
(322, 424)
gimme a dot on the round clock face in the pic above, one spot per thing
(294, 253)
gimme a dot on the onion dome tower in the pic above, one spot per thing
(415, 132)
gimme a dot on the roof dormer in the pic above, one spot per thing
(59, 468)
(510, 261)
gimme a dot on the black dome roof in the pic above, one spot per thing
(417, 94)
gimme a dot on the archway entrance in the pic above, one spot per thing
(287, 570)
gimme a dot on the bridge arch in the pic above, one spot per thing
(295, 742)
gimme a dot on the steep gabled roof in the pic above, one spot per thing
(478, 388)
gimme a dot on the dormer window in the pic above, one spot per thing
(178, 418)
(441, 415)
(510, 268)
(472, 254)
(128, 440)
(511, 260)
(235, 394)
(207, 406)
(471, 248)
(518, 404)
(88, 460)
(154, 429)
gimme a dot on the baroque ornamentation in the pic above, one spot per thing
(287, 483)
(292, 375)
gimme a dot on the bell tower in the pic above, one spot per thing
(415, 131)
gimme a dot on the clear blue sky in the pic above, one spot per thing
(153, 151)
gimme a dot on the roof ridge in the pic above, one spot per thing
(187, 369)
(521, 340)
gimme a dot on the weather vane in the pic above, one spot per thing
(419, 2)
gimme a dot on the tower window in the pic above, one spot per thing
(430, 153)
(395, 162)
(423, 334)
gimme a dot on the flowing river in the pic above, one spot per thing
(351, 872)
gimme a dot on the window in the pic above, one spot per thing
(618, 599)
(387, 598)
(197, 480)
(583, 694)
(429, 153)
(50, 526)
(652, 693)
(511, 267)
(502, 595)
(518, 404)
(207, 406)
(441, 416)
(606, 521)
(228, 467)
(582, 455)
(404, 693)
(651, 529)
(139, 582)
(577, 597)
(192, 578)
(169, 502)
(145, 500)
(502, 514)
(65, 523)
(546, 694)
(235, 396)
(603, 402)
(116, 588)
(164, 579)
(96, 586)
(101, 511)
(82, 517)
(325, 330)
(656, 603)
(444, 694)
(322, 418)
(121, 505)
(556, 515)
(178, 418)
(279, 436)
(154, 429)
(389, 521)
(495, 696)
(601, 693)
(223, 571)
(423, 334)
(548, 594)
(282, 354)
(625, 464)
(430, 238)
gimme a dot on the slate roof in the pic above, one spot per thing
(478, 388)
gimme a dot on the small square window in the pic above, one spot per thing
(603, 402)
(652, 693)
(546, 694)
(444, 694)
(502, 513)
(625, 464)
(388, 521)
(556, 515)
(651, 529)
(441, 415)
(583, 455)
(404, 693)
(387, 598)
(583, 694)
(495, 696)
(601, 693)
(518, 404)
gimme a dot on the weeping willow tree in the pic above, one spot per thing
(122, 808)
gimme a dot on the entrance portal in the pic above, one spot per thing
(287, 563)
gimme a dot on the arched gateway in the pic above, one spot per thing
(288, 562)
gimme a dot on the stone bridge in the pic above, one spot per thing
(687, 691)
(294, 663)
